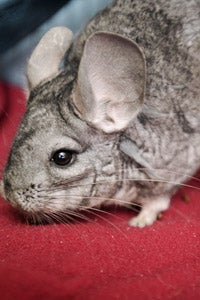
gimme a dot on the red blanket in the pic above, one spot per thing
(100, 259)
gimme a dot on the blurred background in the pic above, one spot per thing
(23, 22)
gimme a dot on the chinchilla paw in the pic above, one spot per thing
(143, 219)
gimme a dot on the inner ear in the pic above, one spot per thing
(111, 81)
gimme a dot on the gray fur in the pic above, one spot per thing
(143, 163)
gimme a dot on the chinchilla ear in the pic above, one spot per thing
(111, 82)
(46, 57)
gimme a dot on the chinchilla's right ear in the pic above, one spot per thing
(47, 55)
(111, 82)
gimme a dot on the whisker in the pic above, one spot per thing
(60, 216)
(68, 213)
(65, 219)
(110, 223)
(77, 215)
(127, 179)
(185, 217)
(124, 203)
(34, 219)
(39, 219)
(47, 218)
(65, 183)
(103, 211)
(57, 216)
(189, 177)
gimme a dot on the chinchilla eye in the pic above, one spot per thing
(62, 157)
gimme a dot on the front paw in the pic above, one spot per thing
(143, 219)
(151, 209)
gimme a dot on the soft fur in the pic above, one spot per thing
(127, 106)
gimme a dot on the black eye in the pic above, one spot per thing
(62, 157)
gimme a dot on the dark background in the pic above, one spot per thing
(18, 18)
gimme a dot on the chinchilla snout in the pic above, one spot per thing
(53, 166)
(2, 191)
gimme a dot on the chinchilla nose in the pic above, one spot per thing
(2, 192)
(5, 188)
(6, 191)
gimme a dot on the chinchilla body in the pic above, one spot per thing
(125, 110)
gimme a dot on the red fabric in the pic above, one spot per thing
(101, 259)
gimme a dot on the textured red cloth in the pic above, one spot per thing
(101, 259)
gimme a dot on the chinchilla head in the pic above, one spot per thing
(65, 154)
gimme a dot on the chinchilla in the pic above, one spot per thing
(120, 123)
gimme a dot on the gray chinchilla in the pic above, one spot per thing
(120, 123)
